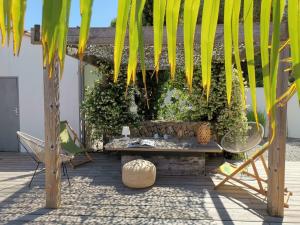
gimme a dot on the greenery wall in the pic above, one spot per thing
(177, 103)
(107, 107)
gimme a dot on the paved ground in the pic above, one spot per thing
(97, 196)
(293, 150)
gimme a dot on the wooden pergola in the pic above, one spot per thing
(105, 36)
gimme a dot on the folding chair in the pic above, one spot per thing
(36, 150)
(68, 139)
(250, 141)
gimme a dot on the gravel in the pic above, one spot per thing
(293, 150)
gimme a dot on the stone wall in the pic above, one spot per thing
(174, 129)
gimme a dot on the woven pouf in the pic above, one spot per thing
(138, 173)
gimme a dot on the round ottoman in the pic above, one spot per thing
(138, 173)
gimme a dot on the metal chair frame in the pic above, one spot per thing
(38, 163)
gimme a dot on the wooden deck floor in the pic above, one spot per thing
(97, 196)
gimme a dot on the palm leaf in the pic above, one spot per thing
(191, 9)
(7, 11)
(133, 43)
(121, 25)
(278, 6)
(294, 34)
(249, 45)
(235, 38)
(17, 16)
(86, 12)
(141, 42)
(208, 32)
(63, 31)
(55, 9)
(266, 6)
(172, 14)
(159, 11)
(2, 22)
(135, 22)
(228, 9)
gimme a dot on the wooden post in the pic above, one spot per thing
(52, 143)
(276, 181)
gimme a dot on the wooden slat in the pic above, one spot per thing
(97, 194)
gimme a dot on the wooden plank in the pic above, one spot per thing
(276, 181)
(102, 197)
(52, 142)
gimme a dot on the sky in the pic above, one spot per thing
(103, 12)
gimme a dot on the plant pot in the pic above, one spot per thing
(204, 133)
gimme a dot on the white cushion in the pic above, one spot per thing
(138, 173)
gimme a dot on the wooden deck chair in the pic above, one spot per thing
(230, 171)
(68, 140)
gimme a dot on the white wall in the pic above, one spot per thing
(293, 114)
(28, 68)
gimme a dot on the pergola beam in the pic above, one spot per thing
(52, 142)
(276, 181)
(106, 35)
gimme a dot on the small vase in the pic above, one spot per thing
(204, 133)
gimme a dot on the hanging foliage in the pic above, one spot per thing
(12, 13)
(121, 27)
(172, 14)
(208, 32)
(86, 12)
(248, 30)
(135, 34)
(266, 6)
(235, 39)
(55, 26)
(159, 11)
(191, 9)
(294, 32)
(228, 46)
(278, 9)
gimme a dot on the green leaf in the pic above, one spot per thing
(294, 34)
(249, 46)
(141, 42)
(86, 12)
(136, 14)
(17, 16)
(191, 9)
(5, 19)
(2, 22)
(278, 6)
(228, 9)
(121, 26)
(208, 32)
(50, 31)
(159, 11)
(63, 32)
(235, 39)
(265, 13)
(172, 14)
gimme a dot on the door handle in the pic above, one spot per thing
(16, 110)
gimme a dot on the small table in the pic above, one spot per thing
(171, 146)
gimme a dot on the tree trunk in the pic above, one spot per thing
(276, 181)
(52, 142)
